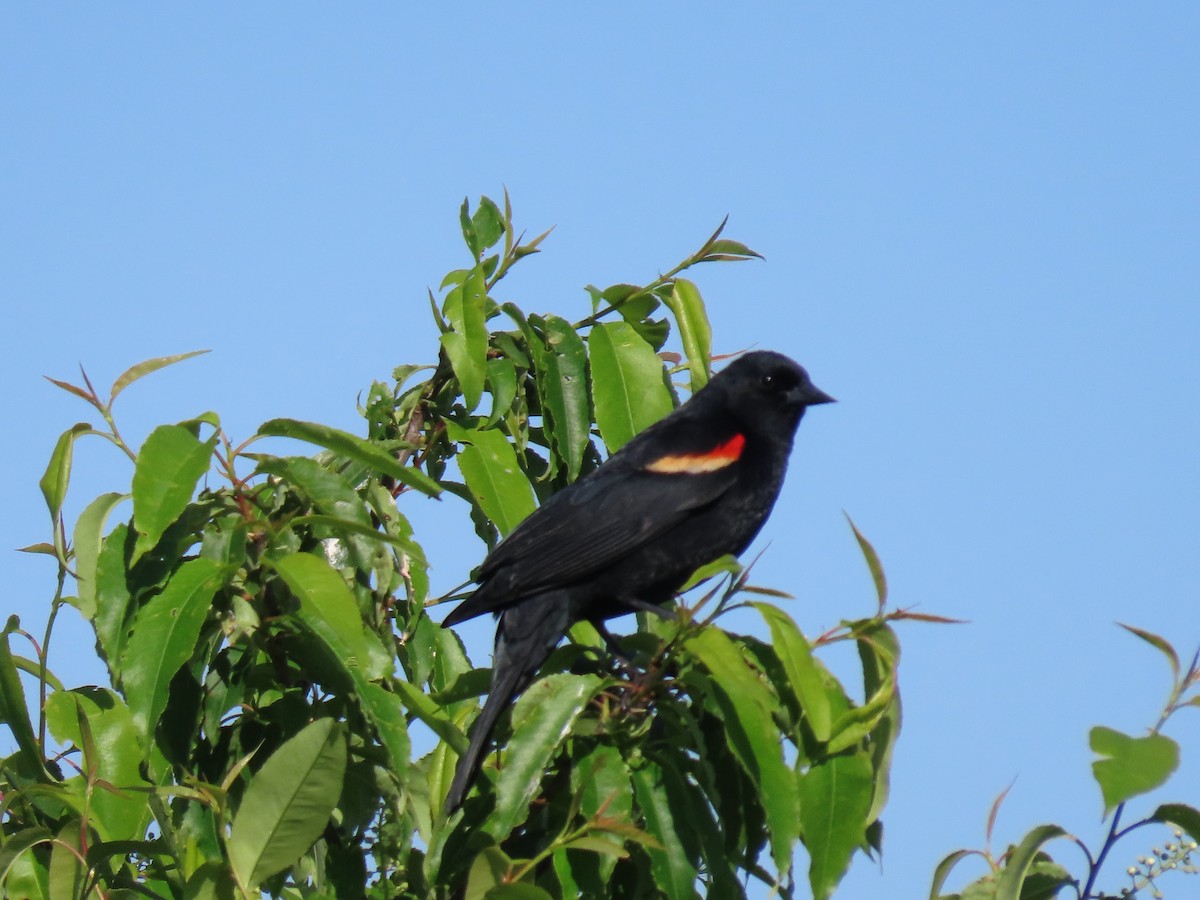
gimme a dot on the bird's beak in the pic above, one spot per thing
(813, 395)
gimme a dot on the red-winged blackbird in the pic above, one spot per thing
(695, 486)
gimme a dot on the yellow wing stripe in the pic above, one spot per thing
(719, 457)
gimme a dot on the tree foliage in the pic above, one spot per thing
(282, 715)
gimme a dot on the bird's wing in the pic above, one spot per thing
(597, 522)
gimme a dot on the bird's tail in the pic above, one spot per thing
(525, 636)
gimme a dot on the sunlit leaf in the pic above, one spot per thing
(806, 679)
(288, 802)
(1161, 644)
(628, 391)
(142, 369)
(1017, 868)
(170, 464)
(694, 330)
(493, 475)
(835, 798)
(562, 384)
(13, 709)
(88, 531)
(873, 563)
(58, 471)
(541, 718)
(748, 710)
(329, 609)
(352, 447)
(1130, 766)
(165, 631)
(116, 755)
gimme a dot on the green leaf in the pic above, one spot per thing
(424, 708)
(502, 384)
(67, 876)
(873, 563)
(493, 475)
(58, 472)
(562, 385)
(944, 868)
(112, 600)
(466, 344)
(835, 798)
(674, 873)
(487, 224)
(748, 709)
(806, 679)
(1017, 868)
(1130, 766)
(541, 719)
(24, 874)
(211, 881)
(729, 250)
(13, 710)
(1161, 644)
(87, 543)
(142, 369)
(288, 803)
(627, 383)
(352, 447)
(329, 609)
(695, 332)
(1186, 817)
(168, 467)
(118, 755)
(386, 714)
(165, 631)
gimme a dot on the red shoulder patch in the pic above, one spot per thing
(718, 457)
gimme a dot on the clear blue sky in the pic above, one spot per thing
(982, 231)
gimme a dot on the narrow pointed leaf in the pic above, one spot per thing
(88, 538)
(352, 447)
(170, 464)
(873, 564)
(329, 609)
(628, 391)
(288, 802)
(1017, 868)
(142, 369)
(13, 710)
(386, 714)
(835, 797)
(1161, 644)
(694, 330)
(731, 250)
(806, 679)
(493, 475)
(58, 471)
(562, 384)
(674, 873)
(944, 868)
(165, 631)
(466, 343)
(748, 709)
(541, 719)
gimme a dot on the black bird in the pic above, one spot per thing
(692, 487)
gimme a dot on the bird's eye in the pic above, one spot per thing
(768, 380)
